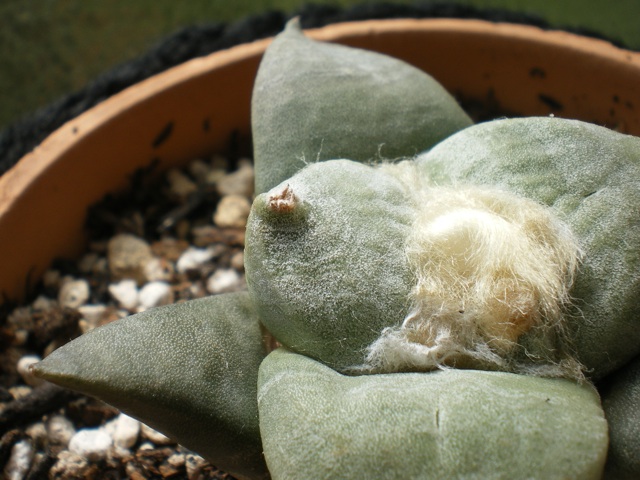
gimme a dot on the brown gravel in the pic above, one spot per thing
(171, 215)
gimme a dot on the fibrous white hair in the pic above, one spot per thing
(493, 272)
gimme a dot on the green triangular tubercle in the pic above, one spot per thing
(315, 101)
(189, 370)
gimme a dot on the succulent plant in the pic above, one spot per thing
(443, 294)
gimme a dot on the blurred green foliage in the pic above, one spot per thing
(52, 47)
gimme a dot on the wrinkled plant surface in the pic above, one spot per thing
(444, 293)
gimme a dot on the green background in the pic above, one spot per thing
(52, 47)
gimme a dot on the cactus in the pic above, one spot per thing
(444, 293)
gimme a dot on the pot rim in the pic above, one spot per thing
(23, 187)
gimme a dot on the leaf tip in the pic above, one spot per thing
(43, 370)
(293, 25)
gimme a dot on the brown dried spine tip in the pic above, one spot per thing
(284, 201)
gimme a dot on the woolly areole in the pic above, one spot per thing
(467, 273)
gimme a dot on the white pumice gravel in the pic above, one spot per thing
(73, 293)
(158, 270)
(70, 465)
(239, 182)
(155, 436)
(215, 175)
(128, 256)
(60, 430)
(124, 430)
(176, 460)
(91, 443)
(224, 280)
(193, 258)
(154, 294)
(146, 446)
(93, 312)
(23, 369)
(20, 461)
(232, 211)
(125, 292)
(92, 316)
(237, 261)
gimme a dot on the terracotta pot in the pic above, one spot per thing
(194, 108)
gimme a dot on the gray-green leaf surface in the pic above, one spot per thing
(316, 423)
(188, 370)
(327, 280)
(317, 101)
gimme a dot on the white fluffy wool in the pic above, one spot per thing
(490, 267)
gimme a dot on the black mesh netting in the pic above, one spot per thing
(22, 136)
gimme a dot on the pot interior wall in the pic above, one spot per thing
(196, 108)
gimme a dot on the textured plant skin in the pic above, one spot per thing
(316, 423)
(621, 403)
(323, 101)
(389, 269)
(327, 274)
(188, 370)
(590, 177)
(331, 274)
